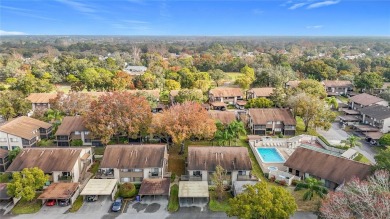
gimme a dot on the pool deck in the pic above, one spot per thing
(285, 152)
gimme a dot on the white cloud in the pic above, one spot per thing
(78, 6)
(11, 33)
(295, 6)
(322, 4)
(314, 27)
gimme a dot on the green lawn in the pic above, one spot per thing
(173, 204)
(46, 143)
(99, 150)
(95, 167)
(233, 75)
(301, 128)
(62, 87)
(311, 205)
(27, 207)
(361, 158)
(215, 205)
(343, 99)
(77, 204)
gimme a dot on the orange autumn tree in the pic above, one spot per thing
(118, 113)
(182, 122)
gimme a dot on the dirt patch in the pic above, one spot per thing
(152, 208)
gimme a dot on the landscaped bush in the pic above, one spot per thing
(272, 179)
(282, 183)
(173, 177)
(76, 142)
(294, 182)
(173, 204)
(127, 190)
(266, 175)
(45, 143)
(330, 145)
(77, 204)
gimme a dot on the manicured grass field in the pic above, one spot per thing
(361, 158)
(215, 205)
(311, 205)
(301, 128)
(173, 204)
(77, 204)
(27, 207)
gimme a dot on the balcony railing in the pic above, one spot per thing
(65, 178)
(190, 178)
(154, 175)
(246, 178)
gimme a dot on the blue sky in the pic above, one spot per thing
(199, 17)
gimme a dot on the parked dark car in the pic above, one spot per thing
(51, 202)
(92, 198)
(63, 202)
(117, 205)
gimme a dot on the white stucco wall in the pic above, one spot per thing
(386, 124)
(8, 142)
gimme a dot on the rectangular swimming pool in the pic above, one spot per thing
(270, 155)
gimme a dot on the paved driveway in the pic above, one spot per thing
(335, 134)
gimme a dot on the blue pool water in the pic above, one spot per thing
(270, 155)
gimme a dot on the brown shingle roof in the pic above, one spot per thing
(71, 124)
(59, 191)
(47, 159)
(207, 158)
(326, 166)
(226, 92)
(225, 117)
(337, 83)
(41, 97)
(218, 104)
(365, 99)
(293, 84)
(133, 156)
(262, 91)
(158, 186)
(262, 116)
(24, 127)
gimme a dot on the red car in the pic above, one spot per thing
(50, 202)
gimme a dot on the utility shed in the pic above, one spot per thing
(61, 191)
(193, 193)
(100, 187)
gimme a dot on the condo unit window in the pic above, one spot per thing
(196, 173)
(278, 122)
(86, 132)
(77, 133)
(136, 170)
(241, 172)
(3, 139)
(13, 139)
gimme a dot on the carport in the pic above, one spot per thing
(100, 187)
(60, 191)
(155, 188)
(193, 193)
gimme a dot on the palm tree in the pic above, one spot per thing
(332, 101)
(236, 129)
(353, 141)
(313, 186)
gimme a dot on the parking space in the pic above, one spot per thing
(54, 209)
(102, 205)
(147, 205)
